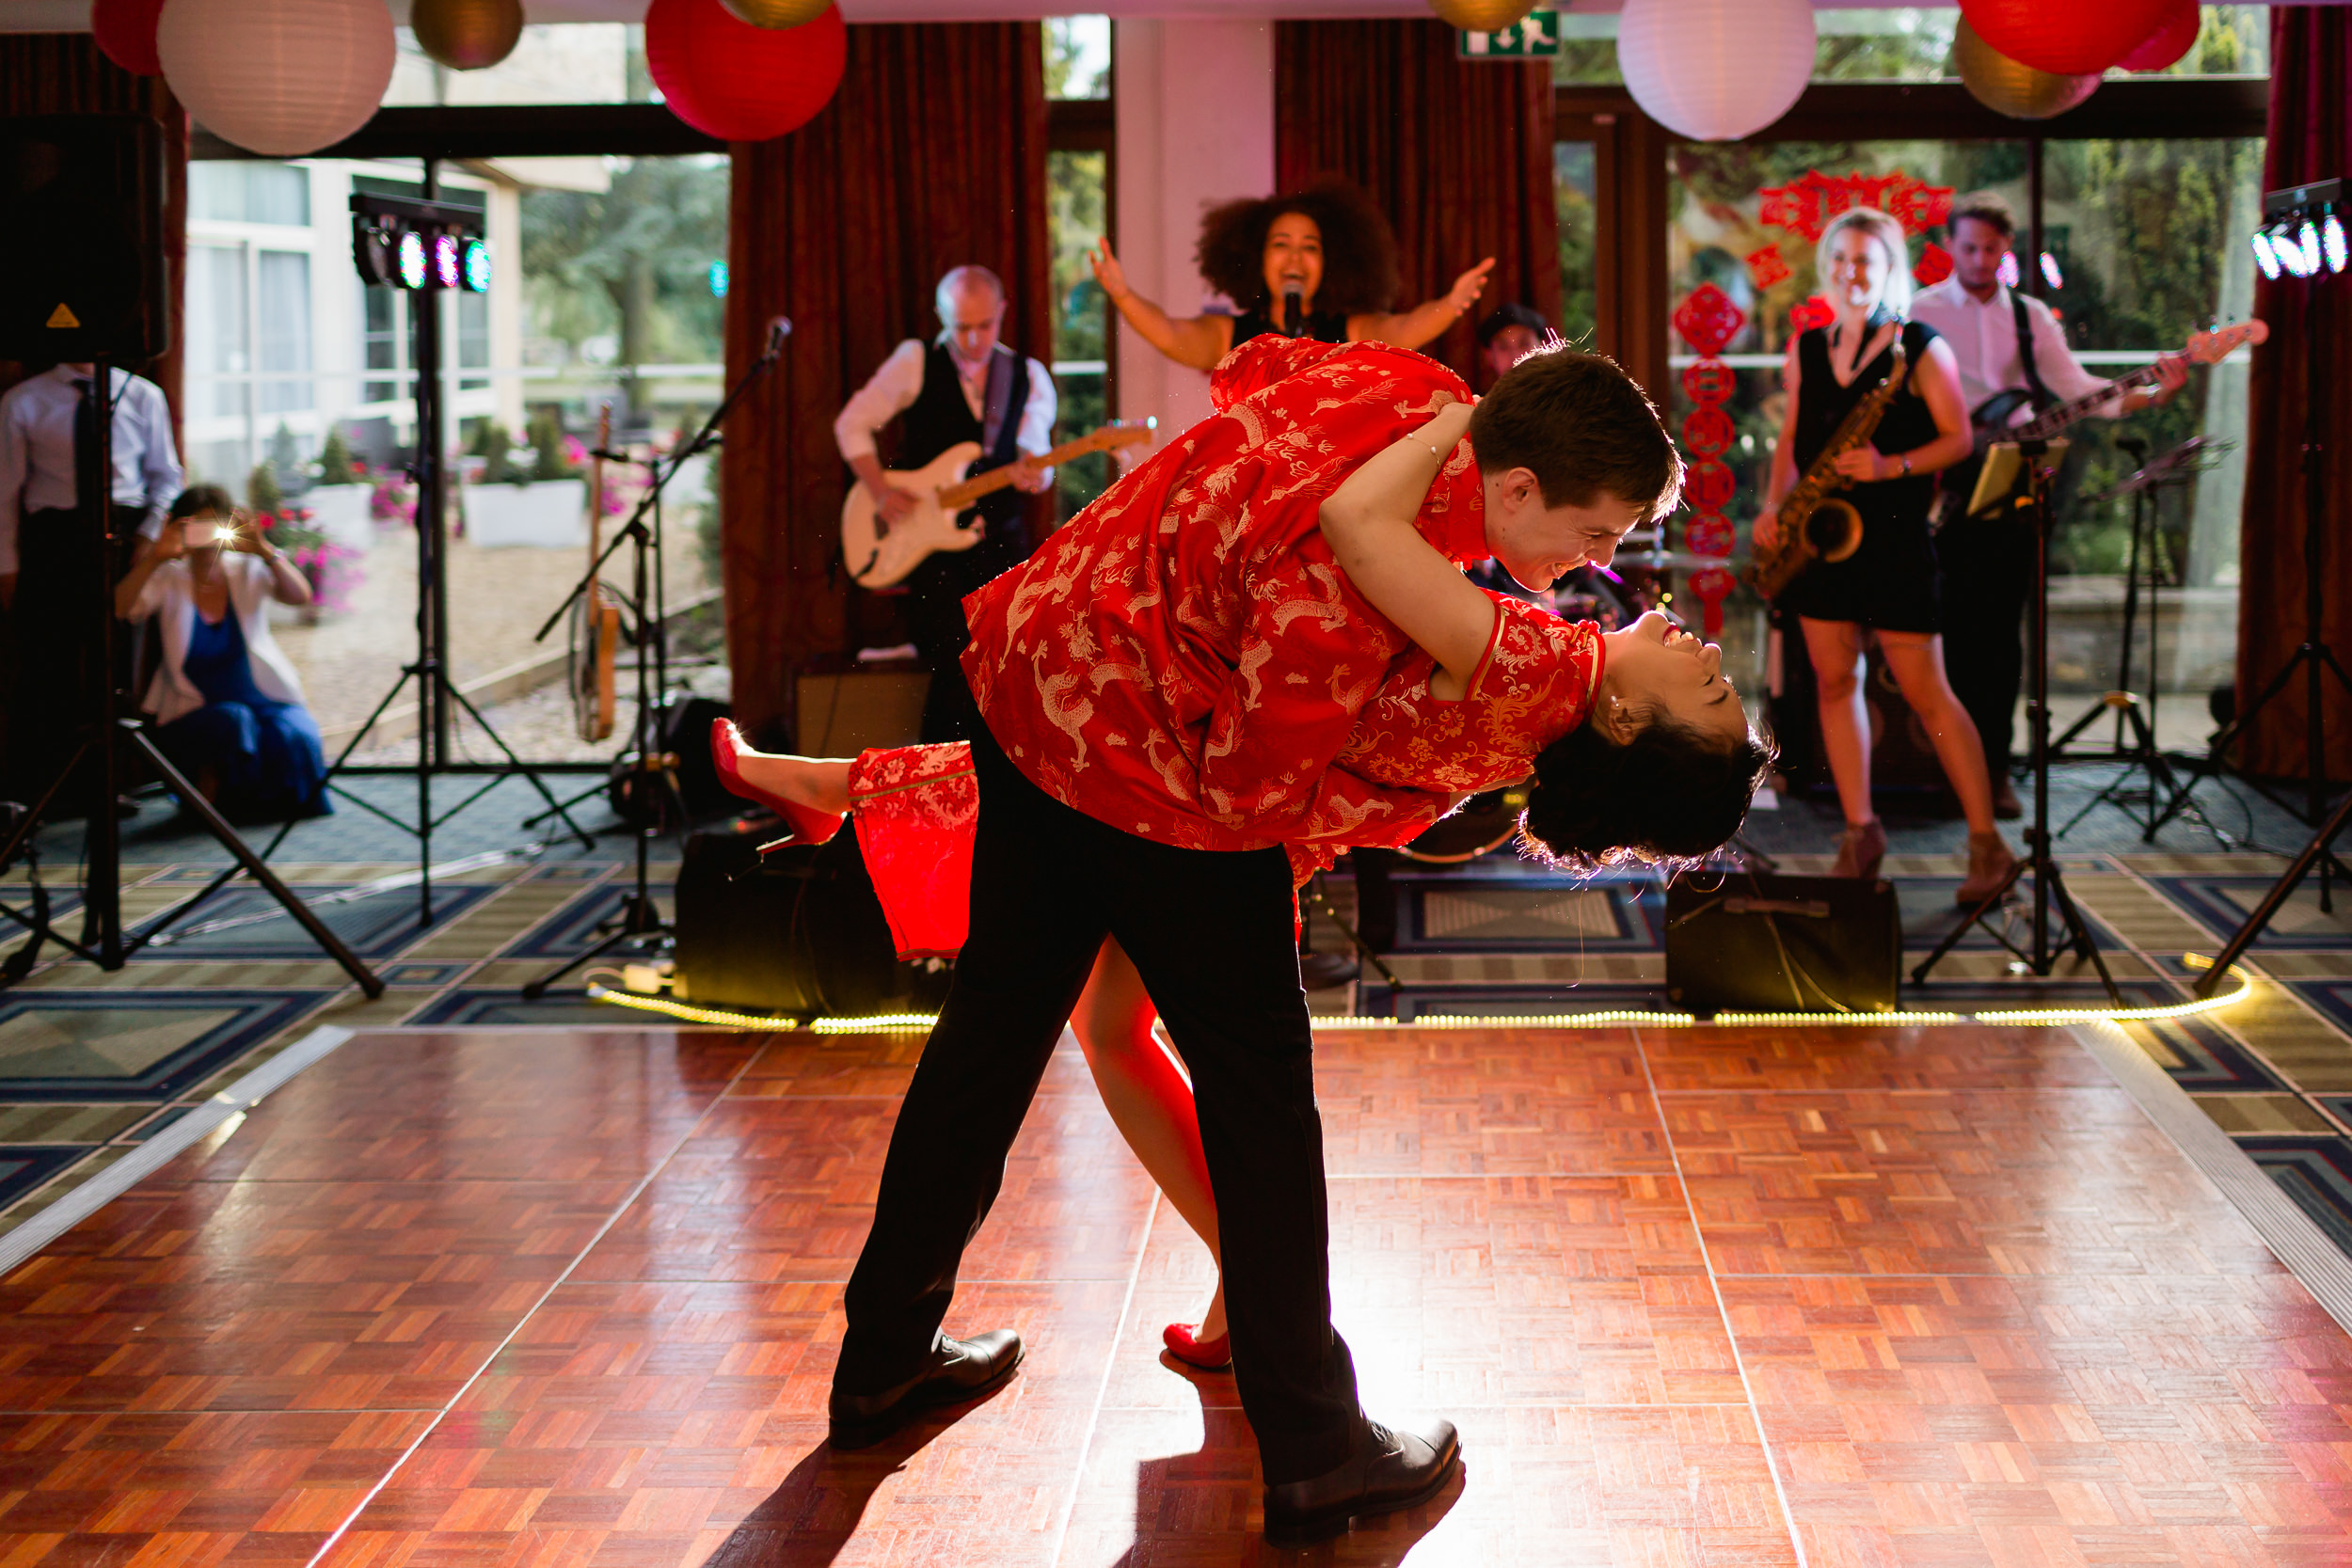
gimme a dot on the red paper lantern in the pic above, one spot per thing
(2066, 40)
(2164, 47)
(731, 80)
(125, 30)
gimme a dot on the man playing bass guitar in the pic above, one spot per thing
(2013, 362)
(964, 385)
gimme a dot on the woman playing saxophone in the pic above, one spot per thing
(1888, 584)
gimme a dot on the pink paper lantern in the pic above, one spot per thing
(125, 30)
(280, 77)
(2065, 39)
(2163, 48)
(729, 79)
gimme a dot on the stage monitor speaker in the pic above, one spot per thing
(843, 712)
(82, 272)
(1753, 943)
(798, 931)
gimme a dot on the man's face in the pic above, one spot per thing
(1508, 347)
(1976, 251)
(973, 318)
(1539, 545)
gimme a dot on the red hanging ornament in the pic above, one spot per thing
(1936, 264)
(2163, 49)
(1710, 381)
(1767, 267)
(1708, 536)
(1707, 432)
(1805, 204)
(125, 32)
(2066, 40)
(1711, 586)
(1708, 319)
(1709, 486)
(1807, 314)
(729, 79)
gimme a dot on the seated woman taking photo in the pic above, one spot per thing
(226, 705)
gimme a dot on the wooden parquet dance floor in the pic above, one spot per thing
(1695, 1297)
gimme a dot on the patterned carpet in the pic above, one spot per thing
(91, 1062)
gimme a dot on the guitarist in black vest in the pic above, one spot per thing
(964, 385)
(2014, 361)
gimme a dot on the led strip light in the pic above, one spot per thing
(906, 1024)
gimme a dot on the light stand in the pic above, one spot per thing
(638, 919)
(2049, 884)
(104, 941)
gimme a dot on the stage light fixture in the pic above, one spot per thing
(410, 273)
(2050, 273)
(474, 267)
(2007, 272)
(445, 270)
(2332, 248)
(718, 280)
(2264, 256)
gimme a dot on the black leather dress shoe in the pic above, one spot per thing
(1387, 1471)
(955, 1371)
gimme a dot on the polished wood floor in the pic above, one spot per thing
(1694, 1297)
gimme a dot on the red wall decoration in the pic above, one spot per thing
(1709, 320)
(1805, 205)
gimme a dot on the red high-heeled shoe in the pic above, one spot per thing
(809, 825)
(1210, 1355)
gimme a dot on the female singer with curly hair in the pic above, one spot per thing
(1327, 246)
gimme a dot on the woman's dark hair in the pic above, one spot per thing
(196, 500)
(1359, 270)
(1668, 793)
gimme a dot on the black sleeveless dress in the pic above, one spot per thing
(1323, 327)
(1890, 582)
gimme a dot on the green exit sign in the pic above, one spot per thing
(1535, 37)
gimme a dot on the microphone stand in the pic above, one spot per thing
(638, 920)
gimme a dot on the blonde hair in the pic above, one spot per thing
(1883, 228)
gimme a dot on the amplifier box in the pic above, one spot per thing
(844, 712)
(1741, 942)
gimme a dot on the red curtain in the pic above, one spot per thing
(932, 154)
(1457, 153)
(64, 73)
(2311, 138)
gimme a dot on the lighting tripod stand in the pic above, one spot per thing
(104, 941)
(2049, 883)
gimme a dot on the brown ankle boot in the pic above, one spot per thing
(1989, 859)
(1860, 851)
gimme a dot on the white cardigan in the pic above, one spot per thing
(171, 593)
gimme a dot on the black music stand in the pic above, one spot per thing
(2163, 795)
(2049, 884)
(104, 941)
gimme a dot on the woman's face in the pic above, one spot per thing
(1656, 670)
(1858, 266)
(1294, 259)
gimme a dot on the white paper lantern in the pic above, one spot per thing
(1713, 69)
(279, 77)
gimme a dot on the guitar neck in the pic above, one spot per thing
(2051, 421)
(956, 497)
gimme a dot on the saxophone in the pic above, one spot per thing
(1816, 525)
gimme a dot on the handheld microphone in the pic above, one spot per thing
(779, 329)
(1290, 312)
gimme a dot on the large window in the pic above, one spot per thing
(1078, 174)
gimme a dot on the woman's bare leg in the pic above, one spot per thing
(1917, 660)
(1150, 1098)
(1835, 648)
(822, 783)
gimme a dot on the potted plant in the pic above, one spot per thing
(542, 500)
(340, 499)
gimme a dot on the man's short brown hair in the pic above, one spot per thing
(1582, 427)
(1988, 208)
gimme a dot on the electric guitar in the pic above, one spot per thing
(1989, 421)
(880, 554)
(596, 618)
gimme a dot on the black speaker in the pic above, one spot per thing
(797, 932)
(82, 271)
(1753, 943)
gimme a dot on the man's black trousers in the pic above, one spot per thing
(1988, 569)
(1212, 935)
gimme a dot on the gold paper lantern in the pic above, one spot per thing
(1473, 16)
(467, 35)
(2005, 87)
(776, 15)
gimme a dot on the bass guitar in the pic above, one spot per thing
(1990, 420)
(880, 554)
